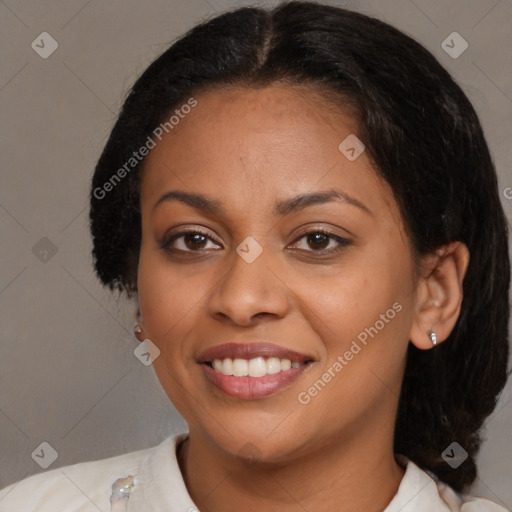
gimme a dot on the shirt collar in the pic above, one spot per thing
(160, 483)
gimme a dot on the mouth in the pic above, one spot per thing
(251, 371)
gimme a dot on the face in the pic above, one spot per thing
(293, 255)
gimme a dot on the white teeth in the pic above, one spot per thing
(224, 366)
(273, 365)
(227, 366)
(240, 367)
(257, 367)
(286, 364)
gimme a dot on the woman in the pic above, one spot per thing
(304, 206)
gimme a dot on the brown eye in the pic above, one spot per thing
(194, 240)
(189, 241)
(318, 241)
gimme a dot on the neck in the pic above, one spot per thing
(358, 475)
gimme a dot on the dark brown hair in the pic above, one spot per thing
(426, 142)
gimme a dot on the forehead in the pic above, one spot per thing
(264, 142)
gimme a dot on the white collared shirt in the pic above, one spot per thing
(158, 486)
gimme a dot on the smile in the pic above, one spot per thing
(252, 371)
(257, 367)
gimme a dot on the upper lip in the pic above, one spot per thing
(251, 351)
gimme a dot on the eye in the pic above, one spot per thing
(319, 240)
(189, 241)
(316, 240)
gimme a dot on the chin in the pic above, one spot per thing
(252, 443)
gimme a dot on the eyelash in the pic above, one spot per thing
(343, 242)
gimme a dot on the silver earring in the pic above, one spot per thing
(433, 337)
(137, 329)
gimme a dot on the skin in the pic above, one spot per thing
(249, 148)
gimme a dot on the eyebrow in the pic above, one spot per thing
(281, 208)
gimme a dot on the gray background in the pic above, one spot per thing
(68, 375)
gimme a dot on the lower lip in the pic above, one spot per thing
(252, 388)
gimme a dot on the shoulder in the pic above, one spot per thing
(80, 487)
(421, 491)
(465, 502)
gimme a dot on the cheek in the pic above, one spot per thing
(364, 324)
(167, 299)
(355, 297)
(364, 315)
(166, 296)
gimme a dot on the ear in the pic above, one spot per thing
(439, 294)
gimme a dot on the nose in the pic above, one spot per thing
(249, 293)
